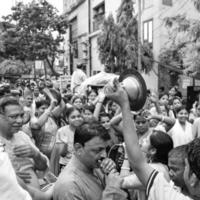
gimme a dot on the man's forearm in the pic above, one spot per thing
(134, 153)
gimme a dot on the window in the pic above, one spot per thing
(98, 16)
(148, 31)
(147, 4)
(74, 37)
(167, 2)
(75, 48)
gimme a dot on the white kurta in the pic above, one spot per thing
(10, 189)
(179, 135)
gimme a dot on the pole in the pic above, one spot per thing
(139, 36)
(45, 70)
(34, 70)
(89, 39)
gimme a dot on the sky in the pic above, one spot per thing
(5, 7)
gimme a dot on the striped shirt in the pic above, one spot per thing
(159, 189)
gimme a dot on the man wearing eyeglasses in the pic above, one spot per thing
(24, 155)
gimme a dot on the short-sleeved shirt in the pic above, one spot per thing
(159, 189)
(77, 183)
(45, 136)
(78, 77)
(22, 163)
(66, 135)
(19, 163)
(10, 189)
(196, 128)
(179, 135)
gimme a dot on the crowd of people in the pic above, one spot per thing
(61, 145)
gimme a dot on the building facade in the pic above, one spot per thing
(86, 16)
(155, 32)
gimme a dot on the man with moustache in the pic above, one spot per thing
(82, 179)
(24, 155)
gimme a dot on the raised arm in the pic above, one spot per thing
(136, 158)
(98, 106)
(37, 124)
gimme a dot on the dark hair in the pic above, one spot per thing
(162, 88)
(89, 92)
(6, 101)
(68, 111)
(89, 130)
(179, 152)
(163, 143)
(140, 118)
(183, 107)
(163, 94)
(80, 66)
(177, 98)
(193, 155)
(89, 107)
(104, 114)
(76, 97)
(40, 103)
(67, 97)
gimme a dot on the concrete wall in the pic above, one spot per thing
(158, 12)
(81, 13)
(110, 7)
(96, 64)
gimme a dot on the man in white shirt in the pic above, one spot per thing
(78, 77)
(12, 187)
(157, 187)
(24, 155)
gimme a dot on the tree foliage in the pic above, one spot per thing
(118, 41)
(32, 32)
(183, 47)
(14, 67)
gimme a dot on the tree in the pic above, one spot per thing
(10, 67)
(183, 46)
(32, 32)
(118, 41)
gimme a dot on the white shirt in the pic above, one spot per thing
(9, 187)
(78, 77)
(159, 189)
(132, 180)
(66, 135)
(196, 128)
(179, 135)
(19, 163)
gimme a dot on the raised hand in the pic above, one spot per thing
(154, 98)
(101, 95)
(117, 93)
(108, 166)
